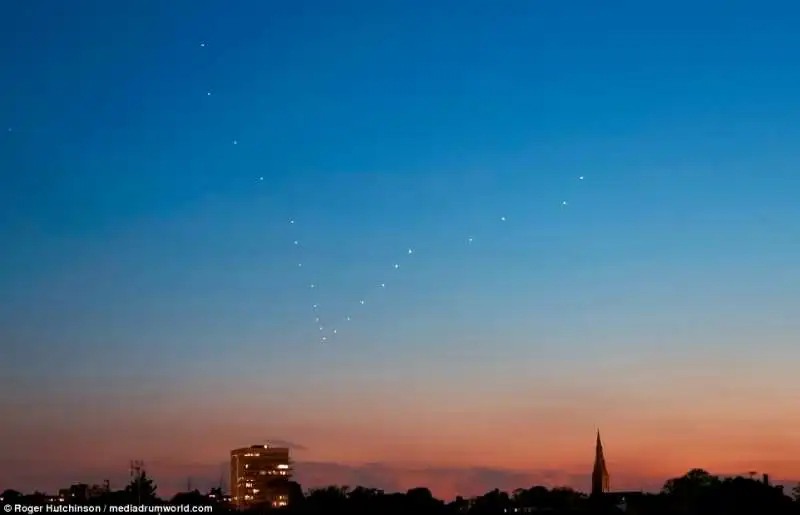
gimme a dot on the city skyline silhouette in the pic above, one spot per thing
(263, 476)
(596, 479)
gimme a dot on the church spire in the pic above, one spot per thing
(600, 477)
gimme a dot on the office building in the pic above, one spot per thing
(259, 476)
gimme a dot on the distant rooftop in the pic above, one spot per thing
(261, 447)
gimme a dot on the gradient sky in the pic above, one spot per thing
(151, 306)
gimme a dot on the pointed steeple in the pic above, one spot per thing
(600, 478)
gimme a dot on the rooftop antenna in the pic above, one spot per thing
(137, 468)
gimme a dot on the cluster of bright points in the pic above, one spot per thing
(325, 336)
(327, 333)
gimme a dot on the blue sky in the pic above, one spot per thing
(142, 248)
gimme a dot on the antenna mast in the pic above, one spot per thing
(137, 472)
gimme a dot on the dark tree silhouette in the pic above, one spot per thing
(459, 505)
(421, 500)
(563, 499)
(494, 501)
(141, 489)
(692, 482)
(192, 498)
(37, 498)
(364, 500)
(328, 498)
(10, 496)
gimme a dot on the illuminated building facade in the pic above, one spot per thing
(259, 476)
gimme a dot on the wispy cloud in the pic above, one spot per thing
(446, 482)
(277, 442)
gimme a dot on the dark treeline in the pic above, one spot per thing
(697, 492)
